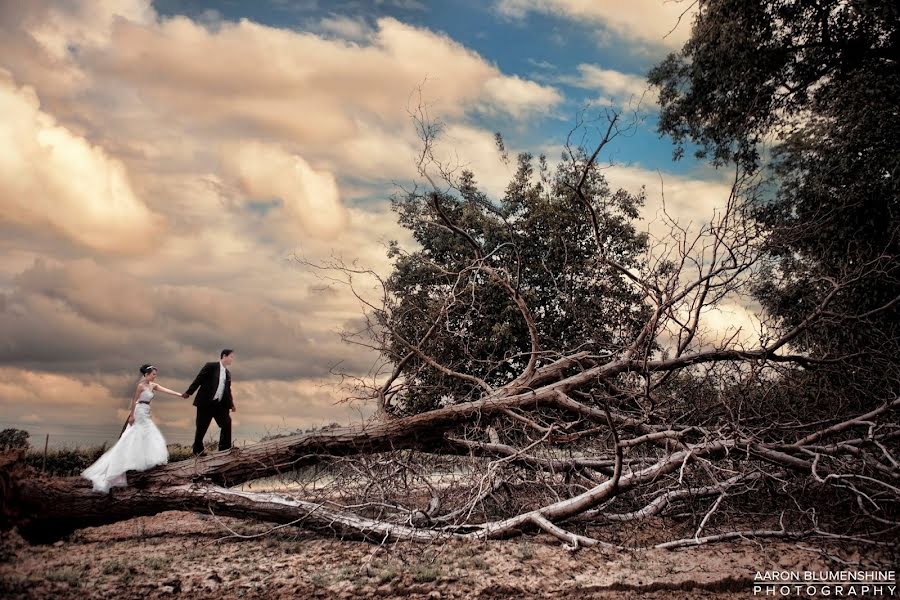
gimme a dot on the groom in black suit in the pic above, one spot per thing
(214, 400)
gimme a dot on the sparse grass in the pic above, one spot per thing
(158, 563)
(526, 552)
(114, 567)
(194, 554)
(386, 574)
(76, 537)
(471, 558)
(123, 570)
(66, 574)
(347, 573)
(424, 573)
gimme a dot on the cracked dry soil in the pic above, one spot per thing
(177, 554)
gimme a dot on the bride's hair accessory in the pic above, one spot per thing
(147, 368)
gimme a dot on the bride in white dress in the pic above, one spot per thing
(140, 447)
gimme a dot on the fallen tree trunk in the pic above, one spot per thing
(56, 508)
(418, 432)
(47, 508)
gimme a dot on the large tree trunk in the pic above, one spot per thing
(46, 508)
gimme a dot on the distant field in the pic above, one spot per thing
(67, 462)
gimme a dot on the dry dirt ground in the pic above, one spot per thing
(177, 554)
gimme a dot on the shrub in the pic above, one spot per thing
(70, 462)
(13, 439)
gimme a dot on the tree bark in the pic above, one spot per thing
(45, 508)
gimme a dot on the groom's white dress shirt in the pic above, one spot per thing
(218, 395)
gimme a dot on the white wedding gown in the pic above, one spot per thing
(141, 447)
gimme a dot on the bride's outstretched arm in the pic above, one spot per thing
(156, 386)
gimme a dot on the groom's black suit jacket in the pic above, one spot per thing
(208, 380)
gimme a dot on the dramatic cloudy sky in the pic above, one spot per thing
(162, 162)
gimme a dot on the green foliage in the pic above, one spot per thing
(751, 67)
(70, 462)
(822, 79)
(13, 439)
(65, 462)
(542, 240)
(837, 215)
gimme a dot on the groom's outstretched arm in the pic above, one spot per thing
(196, 383)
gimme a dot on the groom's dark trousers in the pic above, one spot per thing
(208, 408)
(205, 414)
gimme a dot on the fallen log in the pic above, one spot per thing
(45, 508)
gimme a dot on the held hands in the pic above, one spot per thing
(185, 395)
(233, 409)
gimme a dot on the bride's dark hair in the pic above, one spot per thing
(147, 368)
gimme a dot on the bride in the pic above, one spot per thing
(141, 445)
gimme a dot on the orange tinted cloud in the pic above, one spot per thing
(52, 177)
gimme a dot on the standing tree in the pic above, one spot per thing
(542, 240)
(809, 91)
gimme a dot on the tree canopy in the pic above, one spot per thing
(807, 93)
(542, 240)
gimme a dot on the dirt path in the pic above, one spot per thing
(182, 554)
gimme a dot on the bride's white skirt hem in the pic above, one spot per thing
(141, 447)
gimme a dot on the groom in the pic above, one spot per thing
(214, 400)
